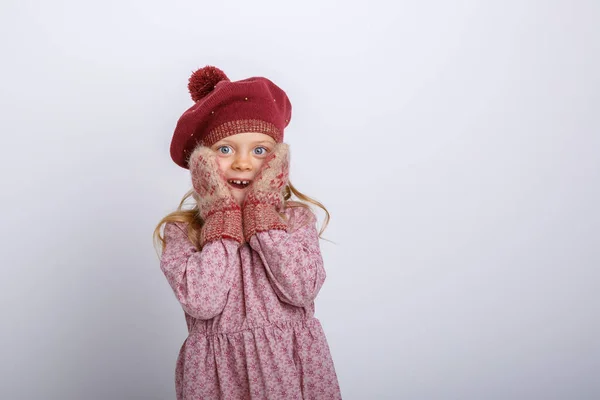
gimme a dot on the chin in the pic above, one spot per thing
(239, 199)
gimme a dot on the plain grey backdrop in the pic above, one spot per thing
(456, 145)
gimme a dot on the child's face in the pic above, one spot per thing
(240, 157)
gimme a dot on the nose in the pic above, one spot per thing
(242, 163)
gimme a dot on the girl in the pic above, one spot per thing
(245, 262)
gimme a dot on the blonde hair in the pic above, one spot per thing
(194, 223)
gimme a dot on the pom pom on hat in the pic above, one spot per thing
(204, 80)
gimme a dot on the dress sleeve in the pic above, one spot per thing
(201, 280)
(292, 258)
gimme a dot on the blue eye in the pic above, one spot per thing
(265, 150)
(220, 149)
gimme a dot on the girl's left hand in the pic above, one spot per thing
(269, 183)
(264, 199)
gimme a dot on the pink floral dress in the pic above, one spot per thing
(250, 314)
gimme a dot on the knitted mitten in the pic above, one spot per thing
(265, 194)
(217, 207)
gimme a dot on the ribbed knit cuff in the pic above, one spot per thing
(223, 224)
(261, 217)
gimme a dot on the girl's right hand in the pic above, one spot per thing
(217, 206)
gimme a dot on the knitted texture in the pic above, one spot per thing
(204, 80)
(217, 207)
(264, 199)
(224, 108)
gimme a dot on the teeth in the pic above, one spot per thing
(239, 182)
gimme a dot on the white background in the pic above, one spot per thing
(456, 145)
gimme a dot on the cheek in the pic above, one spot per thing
(223, 164)
(259, 164)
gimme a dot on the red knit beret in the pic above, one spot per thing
(225, 108)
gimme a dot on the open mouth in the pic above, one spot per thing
(238, 184)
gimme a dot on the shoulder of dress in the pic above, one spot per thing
(175, 227)
(299, 214)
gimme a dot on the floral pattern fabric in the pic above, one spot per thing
(250, 314)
